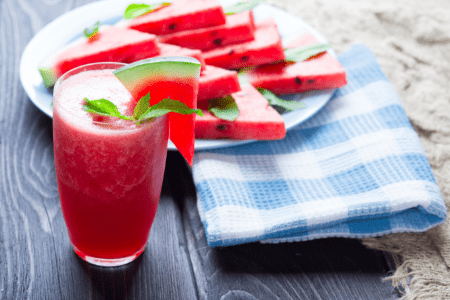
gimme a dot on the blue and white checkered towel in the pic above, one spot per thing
(356, 169)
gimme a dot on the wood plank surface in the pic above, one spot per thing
(37, 262)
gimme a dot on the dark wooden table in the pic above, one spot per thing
(37, 262)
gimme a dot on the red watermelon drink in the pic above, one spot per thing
(109, 171)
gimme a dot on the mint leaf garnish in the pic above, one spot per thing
(137, 10)
(224, 108)
(141, 107)
(241, 6)
(142, 111)
(168, 105)
(91, 32)
(304, 52)
(286, 104)
(103, 107)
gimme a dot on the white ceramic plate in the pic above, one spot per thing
(69, 26)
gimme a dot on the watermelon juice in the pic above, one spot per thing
(109, 171)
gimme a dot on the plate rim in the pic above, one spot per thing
(114, 6)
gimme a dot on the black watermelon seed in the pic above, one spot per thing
(297, 80)
(218, 42)
(231, 52)
(310, 81)
(222, 127)
(244, 58)
(172, 26)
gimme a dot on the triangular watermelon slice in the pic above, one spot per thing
(110, 44)
(216, 82)
(167, 77)
(265, 48)
(318, 73)
(238, 28)
(179, 15)
(256, 121)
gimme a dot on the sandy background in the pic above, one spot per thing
(411, 40)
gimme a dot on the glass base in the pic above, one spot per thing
(108, 262)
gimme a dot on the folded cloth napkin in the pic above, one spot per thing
(356, 169)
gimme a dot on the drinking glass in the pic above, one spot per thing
(109, 171)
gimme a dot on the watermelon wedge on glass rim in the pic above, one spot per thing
(175, 78)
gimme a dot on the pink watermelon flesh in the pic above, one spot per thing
(178, 16)
(265, 48)
(216, 82)
(318, 73)
(173, 50)
(111, 44)
(257, 120)
(237, 29)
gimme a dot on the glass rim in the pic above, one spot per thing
(79, 70)
(92, 67)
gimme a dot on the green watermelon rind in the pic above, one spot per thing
(48, 75)
(135, 73)
(47, 68)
